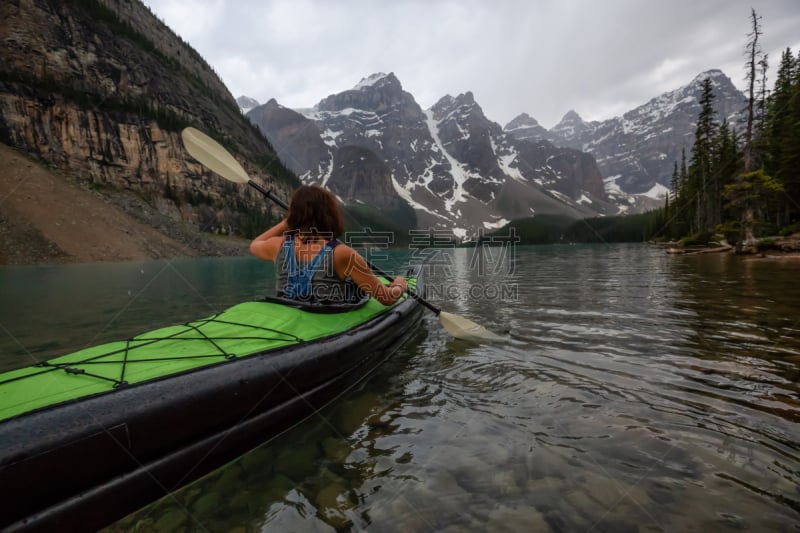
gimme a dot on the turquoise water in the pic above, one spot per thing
(635, 392)
(51, 310)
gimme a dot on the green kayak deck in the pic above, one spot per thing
(242, 330)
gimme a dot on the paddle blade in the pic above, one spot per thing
(210, 153)
(461, 328)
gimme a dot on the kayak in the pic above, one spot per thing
(89, 437)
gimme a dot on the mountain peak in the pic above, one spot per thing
(463, 103)
(570, 126)
(445, 101)
(246, 103)
(524, 127)
(713, 73)
(376, 92)
(571, 116)
(523, 120)
(379, 79)
(719, 81)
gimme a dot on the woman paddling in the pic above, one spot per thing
(311, 265)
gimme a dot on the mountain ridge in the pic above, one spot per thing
(635, 160)
(442, 161)
(454, 165)
(636, 150)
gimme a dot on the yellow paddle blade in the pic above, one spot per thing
(210, 153)
(461, 328)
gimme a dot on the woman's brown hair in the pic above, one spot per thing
(313, 210)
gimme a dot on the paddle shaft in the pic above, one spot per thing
(281, 203)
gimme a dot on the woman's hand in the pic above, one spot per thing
(398, 287)
(266, 245)
(349, 263)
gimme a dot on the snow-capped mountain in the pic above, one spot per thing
(637, 151)
(458, 170)
(246, 104)
(526, 128)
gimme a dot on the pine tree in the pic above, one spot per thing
(788, 169)
(684, 171)
(681, 209)
(724, 168)
(729, 162)
(782, 133)
(753, 194)
(776, 119)
(699, 175)
(674, 183)
(664, 221)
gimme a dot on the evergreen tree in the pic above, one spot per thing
(788, 168)
(699, 174)
(681, 206)
(743, 187)
(674, 183)
(663, 222)
(724, 167)
(684, 168)
(782, 133)
(752, 195)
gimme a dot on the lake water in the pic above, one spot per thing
(636, 391)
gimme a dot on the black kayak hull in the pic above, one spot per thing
(80, 466)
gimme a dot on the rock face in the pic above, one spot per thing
(101, 90)
(456, 168)
(636, 152)
(296, 139)
(359, 175)
(525, 128)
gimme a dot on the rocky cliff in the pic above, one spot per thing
(297, 140)
(101, 89)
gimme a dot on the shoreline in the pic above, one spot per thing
(774, 247)
(47, 217)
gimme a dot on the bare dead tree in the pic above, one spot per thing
(753, 53)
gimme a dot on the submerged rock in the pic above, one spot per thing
(298, 462)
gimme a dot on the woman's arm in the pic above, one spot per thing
(348, 262)
(267, 245)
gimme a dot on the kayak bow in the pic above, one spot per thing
(89, 437)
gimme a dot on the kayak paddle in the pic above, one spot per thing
(213, 155)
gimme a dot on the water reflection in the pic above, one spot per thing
(637, 392)
(337, 459)
(46, 311)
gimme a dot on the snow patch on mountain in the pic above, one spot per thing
(329, 137)
(611, 186)
(457, 170)
(657, 192)
(369, 81)
(497, 224)
(405, 194)
(327, 171)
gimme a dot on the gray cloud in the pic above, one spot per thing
(543, 57)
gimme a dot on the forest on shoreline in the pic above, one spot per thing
(740, 186)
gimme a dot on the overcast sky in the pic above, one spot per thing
(543, 57)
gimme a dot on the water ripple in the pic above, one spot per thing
(636, 391)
